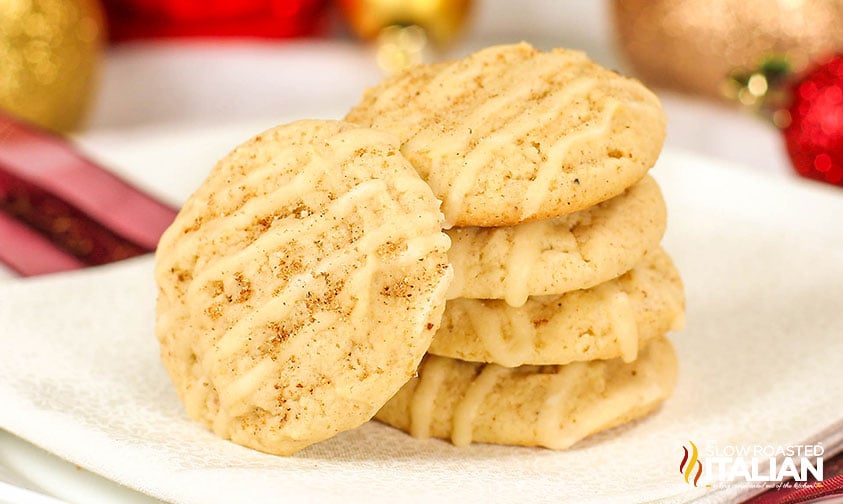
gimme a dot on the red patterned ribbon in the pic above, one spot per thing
(29, 253)
(155, 19)
(83, 214)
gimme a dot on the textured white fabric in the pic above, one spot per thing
(760, 362)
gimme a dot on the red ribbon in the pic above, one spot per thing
(60, 210)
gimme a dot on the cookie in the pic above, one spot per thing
(611, 320)
(300, 286)
(512, 134)
(550, 406)
(555, 256)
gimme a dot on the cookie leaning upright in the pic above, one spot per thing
(512, 134)
(555, 322)
(300, 286)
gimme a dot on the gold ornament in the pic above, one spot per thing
(405, 29)
(49, 58)
(695, 46)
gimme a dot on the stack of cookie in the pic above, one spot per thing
(307, 286)
(555, 323)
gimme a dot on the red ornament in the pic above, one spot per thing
(814, 136)
(143, 19)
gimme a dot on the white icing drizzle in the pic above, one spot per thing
(345, 144)
(279, 306)
(421, 246)
(275, 309)
(566, 379)
(360, 286)
(522, 336)
(243, 216)
(485, 149)
(524, 255)
(273, 240)
(245, 383)
(624, 326)
(620, 400)
(431, 376)
(449, 81)
(461, 247)
(537, 191)
(358, 194)
(425, 316)
(466, 410)
(236, 379)
(488, 324)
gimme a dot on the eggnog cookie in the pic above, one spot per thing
(551, 406)
(512, 134)
(300, 286)
(554, 256)
(611, 320)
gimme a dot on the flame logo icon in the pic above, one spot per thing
(689, 461)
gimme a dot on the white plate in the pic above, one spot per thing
(41, 475)
(760, 359)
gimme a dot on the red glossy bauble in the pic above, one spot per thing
(814, 136)
(143, 19)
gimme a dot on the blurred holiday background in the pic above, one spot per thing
(87, 66)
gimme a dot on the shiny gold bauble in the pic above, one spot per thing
(404, 31)
(441, 20)
(49, 58)
(694, 46)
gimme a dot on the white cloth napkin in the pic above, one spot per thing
(760, 363)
